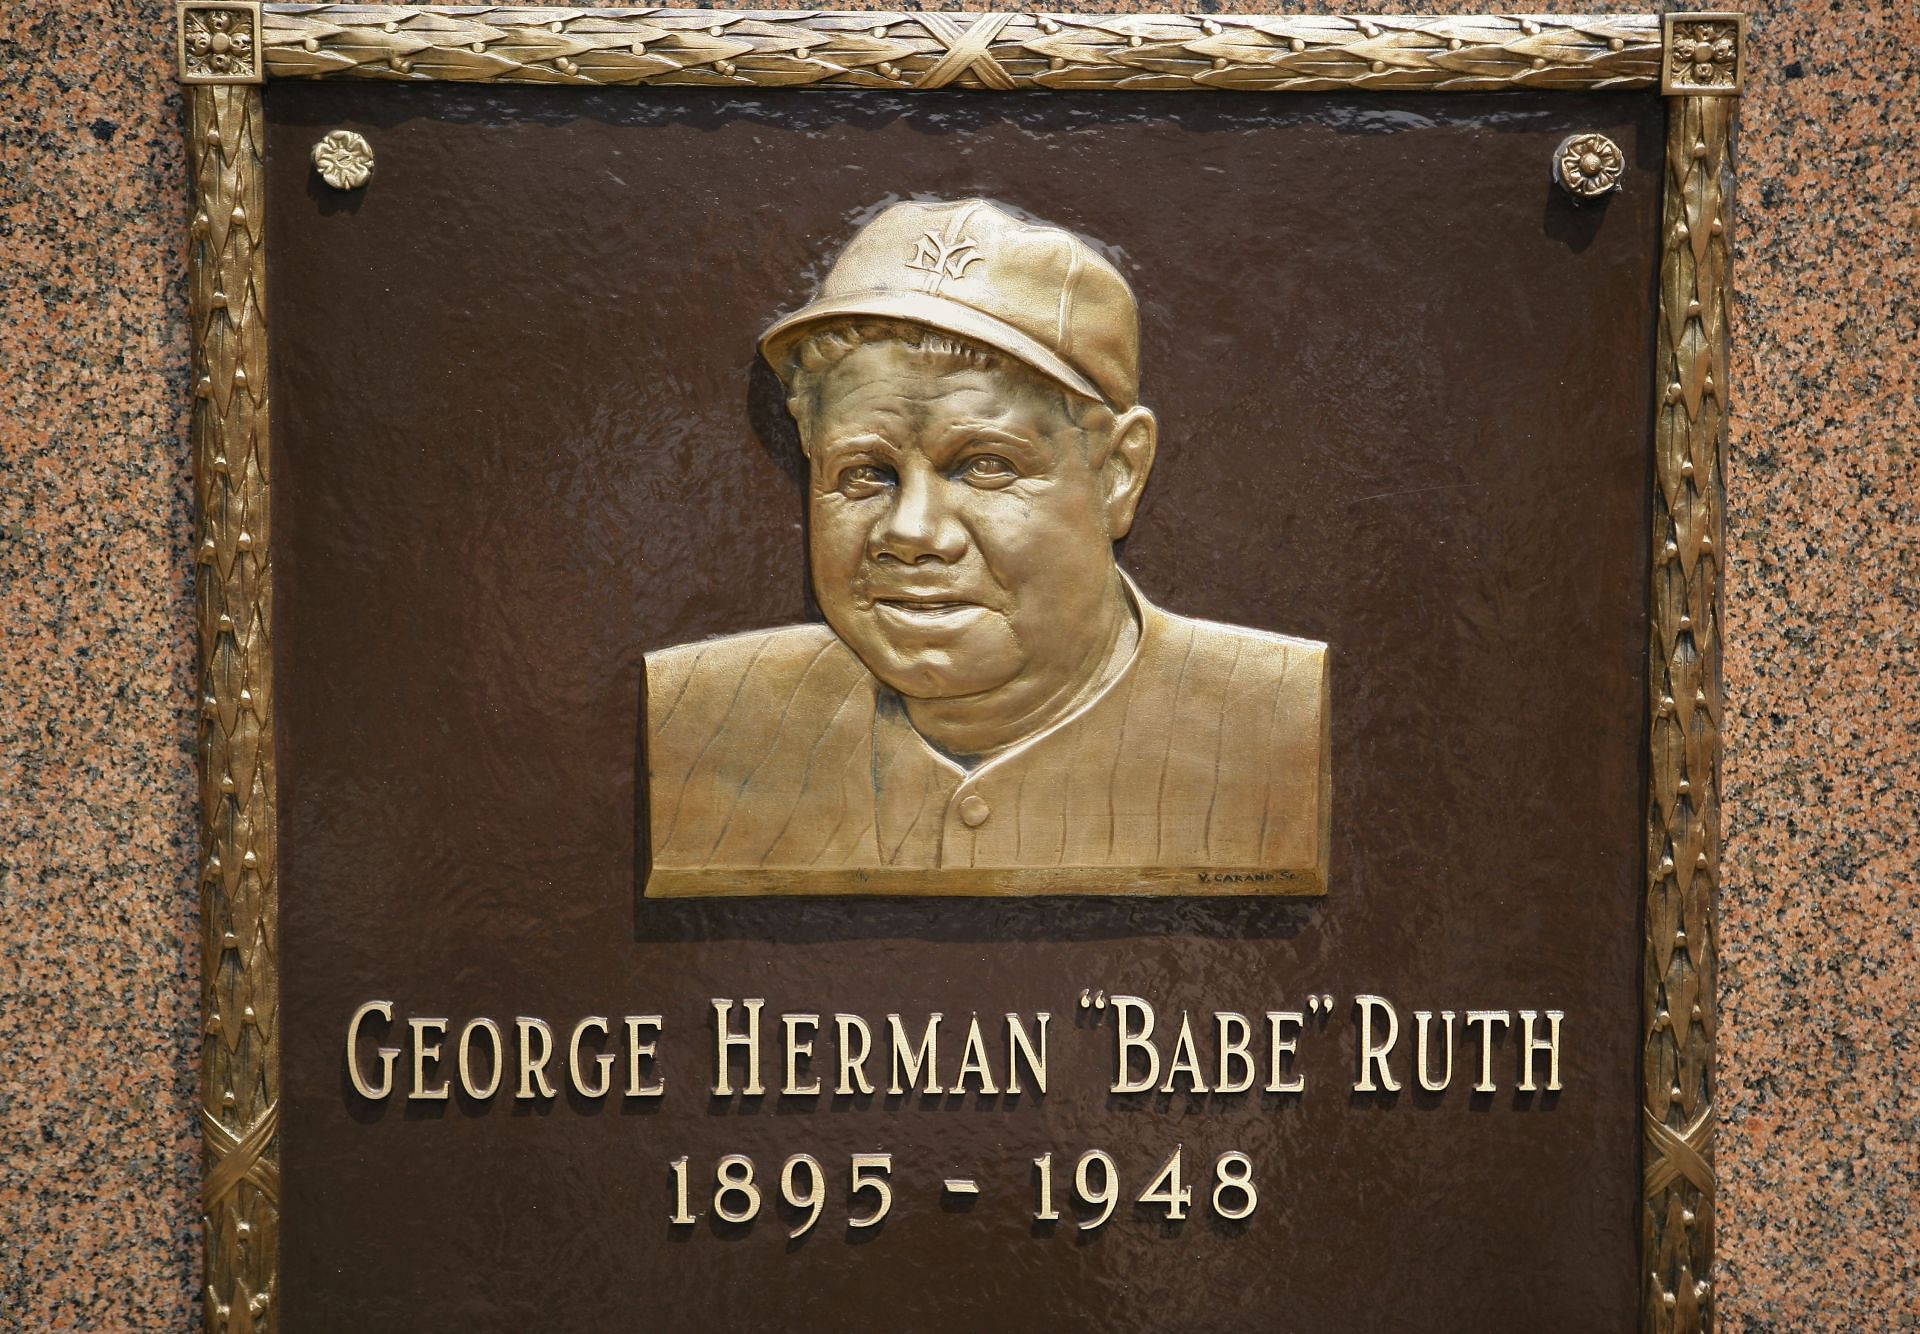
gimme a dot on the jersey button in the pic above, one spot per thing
(974, 810)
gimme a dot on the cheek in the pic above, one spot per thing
(836, 529)
(1047, 536)
(1012, 541)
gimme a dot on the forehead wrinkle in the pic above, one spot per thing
(858, 441)
(897, 398)
(900, 413)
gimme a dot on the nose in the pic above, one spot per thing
(919, 525)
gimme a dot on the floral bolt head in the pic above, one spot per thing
(1588, 166)
(344, 160)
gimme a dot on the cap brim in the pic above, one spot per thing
(936, 313)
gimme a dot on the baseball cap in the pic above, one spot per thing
(967, 267)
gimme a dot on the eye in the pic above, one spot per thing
(989, 470)
(863, 480)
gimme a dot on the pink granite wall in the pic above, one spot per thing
(1819, 1142)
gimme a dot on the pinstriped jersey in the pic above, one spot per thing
(775, 761)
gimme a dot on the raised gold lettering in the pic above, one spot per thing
(1186, 1061)
(1487, 1019)
(1373, 1055)
(1549, 1044)
(604, 1060)
(533, 1069)
(388, 1055)
(907, 1063)
(973, 1061)
(798, 1052)
(1019, 1045)
(1235, 1035)
(726, 1040)
(1422, 1018)
(1281, 1050)
(424, 1051)
(465, 1049)
(638, 1051)
(1133, 1033)
(853, 1059)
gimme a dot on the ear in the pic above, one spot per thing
(1129, 460)
(796, 410)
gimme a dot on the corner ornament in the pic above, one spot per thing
(220, 42)
(1703, 55)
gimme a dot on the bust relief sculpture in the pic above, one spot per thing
(992, 705)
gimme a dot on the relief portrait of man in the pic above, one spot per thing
(993, 706)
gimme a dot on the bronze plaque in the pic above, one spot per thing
(886, 702)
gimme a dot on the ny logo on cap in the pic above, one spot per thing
(943, 259)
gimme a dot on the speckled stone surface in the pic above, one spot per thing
(1819, 1142)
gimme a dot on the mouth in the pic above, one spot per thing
(925, 609)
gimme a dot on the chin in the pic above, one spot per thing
(921, 676)
(921, 671)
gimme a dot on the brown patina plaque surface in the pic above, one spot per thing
(522, 439)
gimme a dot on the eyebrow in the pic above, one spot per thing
(868, 442)
(1028, 452)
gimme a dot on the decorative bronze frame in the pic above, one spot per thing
(228, 48)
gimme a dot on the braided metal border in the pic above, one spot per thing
(996, 51)
(1683, 812)
(240, 1077)
(916, 51)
